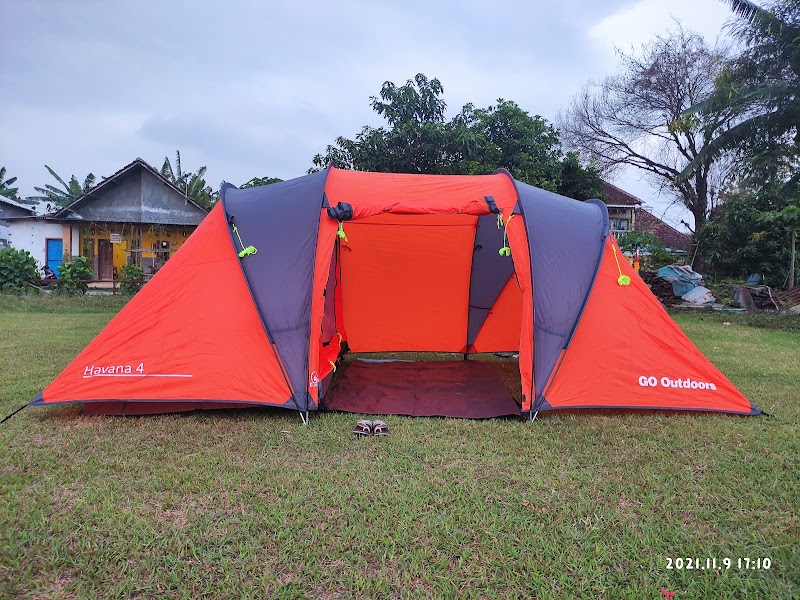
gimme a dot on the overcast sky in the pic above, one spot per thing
(257, 88)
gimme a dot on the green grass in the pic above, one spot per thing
(249, 504)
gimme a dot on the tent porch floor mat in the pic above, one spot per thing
(467, 389)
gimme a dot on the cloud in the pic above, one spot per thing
(258, 88)
(635, 24)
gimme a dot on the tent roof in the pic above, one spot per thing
(400, 193)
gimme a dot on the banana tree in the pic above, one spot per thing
(191, 184)
(5, 186)
(68, 193)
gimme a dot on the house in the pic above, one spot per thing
(135, 216)
(26, 230)
(627, 213)
(621, 209)
(10, 209)
(673, 240)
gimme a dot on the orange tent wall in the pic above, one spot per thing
(373, 194)
(191, 334)
(501, 330)
(628, 352)
(518, 242)
(405, 282)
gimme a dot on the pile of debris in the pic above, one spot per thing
(789, 298)
(678, 285)
(754, 298)
(661, 288)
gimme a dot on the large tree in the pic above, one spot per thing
(413, 142)
(635, 118)
(418, 139)
(259, 181)
(762, 85)
(68, 192)
(190, 183)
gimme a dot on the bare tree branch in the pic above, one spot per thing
(636, 118)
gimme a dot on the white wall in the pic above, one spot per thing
(5, 233)
(30, 235)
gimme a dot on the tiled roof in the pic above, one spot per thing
(673, 239)
(63, 212)
(618, 197)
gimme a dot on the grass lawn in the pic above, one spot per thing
(249, 504)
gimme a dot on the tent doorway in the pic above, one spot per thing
(406, 288)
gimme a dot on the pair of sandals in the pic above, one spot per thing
(364, 427)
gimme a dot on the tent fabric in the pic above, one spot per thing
(405, 283)
(372, 194)
(414, 266)
(488, 276)
(500, 332)
(565, 233)
(285, 254)
(467, 389)
(628, 353)
(191, 334)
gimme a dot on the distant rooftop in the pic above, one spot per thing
(673, 239)
(15, 204)
(616, 197)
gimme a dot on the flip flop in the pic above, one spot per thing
(363, 427)
(380, 428)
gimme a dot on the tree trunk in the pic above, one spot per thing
(792, 260)
(698, 260)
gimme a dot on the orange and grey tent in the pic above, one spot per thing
(279, 281)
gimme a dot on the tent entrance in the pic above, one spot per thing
(424, 285)
(467, 389)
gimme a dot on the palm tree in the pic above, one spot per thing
(5, 186)
(762, 84)
(62, 197)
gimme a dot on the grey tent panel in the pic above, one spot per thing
(566, 240)
(282, 220)
(489, 275)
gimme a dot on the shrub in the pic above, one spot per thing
(17, 269)
(71, 274)
(655, 255)
(128, 274)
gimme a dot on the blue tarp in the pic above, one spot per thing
(682, 278)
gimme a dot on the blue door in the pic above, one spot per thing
(55, 254)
